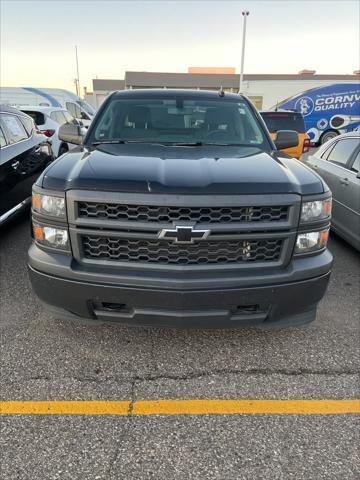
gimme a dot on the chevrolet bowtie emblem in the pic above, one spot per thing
(183, 234)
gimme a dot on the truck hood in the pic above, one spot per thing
(178, 170)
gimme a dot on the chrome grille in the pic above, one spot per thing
(164, 252)
(169, 214)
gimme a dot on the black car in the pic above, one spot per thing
(24, 153)
(178, 209)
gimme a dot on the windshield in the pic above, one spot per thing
(284, 121)
(179, 120)
(88, 108)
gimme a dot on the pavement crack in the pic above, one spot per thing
(132, 399)
(265, 372)
(185, 376)
(127, 427)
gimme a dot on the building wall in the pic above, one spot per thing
(263, 90)
(91, 99)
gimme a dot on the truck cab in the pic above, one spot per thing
(178, 209)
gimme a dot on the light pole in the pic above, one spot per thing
(245, 14)
(77, 73)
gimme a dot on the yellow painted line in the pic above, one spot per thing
(245, 407)
(181, 407)
(76, 407)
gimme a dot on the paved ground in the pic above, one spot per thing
(44, 359)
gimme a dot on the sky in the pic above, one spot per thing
(38, 38)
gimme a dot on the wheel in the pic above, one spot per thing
(325, 137)
(63, 149)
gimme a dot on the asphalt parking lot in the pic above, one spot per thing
(44, 359)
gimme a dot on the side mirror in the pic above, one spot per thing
(71, 133)
(286, 139)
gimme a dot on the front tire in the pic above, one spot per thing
(328, 135)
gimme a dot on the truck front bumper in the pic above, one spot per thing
(287, 297)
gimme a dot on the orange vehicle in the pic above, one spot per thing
(288, 120)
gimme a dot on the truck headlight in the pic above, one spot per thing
(316, 210)
(311, 241)
(54, 237)
(52, 205)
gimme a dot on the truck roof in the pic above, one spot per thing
(170, 92)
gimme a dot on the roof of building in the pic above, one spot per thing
(108, 85)
(204, 80)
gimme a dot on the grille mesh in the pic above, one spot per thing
(164, 252)
(166, 214)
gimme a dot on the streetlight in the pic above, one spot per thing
(78, 93)
(245, 14)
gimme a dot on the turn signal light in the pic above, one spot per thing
(36, 201)
(38, 233)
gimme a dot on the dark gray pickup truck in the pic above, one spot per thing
(177, 209)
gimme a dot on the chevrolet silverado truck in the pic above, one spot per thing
(177, 209)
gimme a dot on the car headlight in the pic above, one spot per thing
(52, 205)
(53, 237)
(316, 210)
(311, 241)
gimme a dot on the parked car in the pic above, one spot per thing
(24, 153)
(179, 210)
(49, 120)
(338, 162)
(288, 120)
(49, 97)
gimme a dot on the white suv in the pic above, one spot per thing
(49, 120)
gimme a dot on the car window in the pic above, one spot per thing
(38, 117)
(3, 141)
(342, 151)
(16, 129)
(356, 164)
(84, 116)
(88, 108)
(325, 149)
(180, 120)
(276, 121)
(28, 124)
(58, 117)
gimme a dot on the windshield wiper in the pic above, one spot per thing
(114, 142)
(170, 144)
(203, 144)
(123, 141)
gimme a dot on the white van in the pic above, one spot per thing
(48, 97)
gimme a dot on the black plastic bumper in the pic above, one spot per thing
(267, 306)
